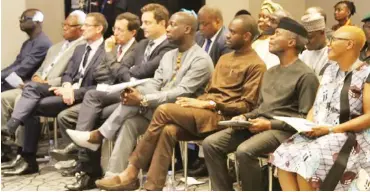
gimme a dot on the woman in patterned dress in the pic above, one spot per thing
(304, 160)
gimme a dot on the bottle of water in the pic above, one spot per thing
(170, 184)
(51, 148)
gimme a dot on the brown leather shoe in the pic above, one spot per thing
(115, 184)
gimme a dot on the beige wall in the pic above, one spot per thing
(362, 7)
(11, 36)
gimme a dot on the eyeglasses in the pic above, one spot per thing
(70, 26)
(88, 25)
(24, 18)
(118, 29)
(331, 39)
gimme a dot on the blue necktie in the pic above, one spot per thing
(208, 45)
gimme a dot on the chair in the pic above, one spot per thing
(45, 128)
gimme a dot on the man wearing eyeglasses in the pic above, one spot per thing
(40, 99)
(32, 52)
(50, 72)
(365, 52)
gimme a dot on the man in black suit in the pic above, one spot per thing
(43, 100)
(212, 34)
(33, 50)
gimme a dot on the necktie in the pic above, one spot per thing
(208, 45)
(119, 52)
(178, 65)
(148, 51)
(87, 53)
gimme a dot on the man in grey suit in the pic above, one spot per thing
(42, 99)
(50, 71)
(33, 50)
(182, 72)
(212, 34)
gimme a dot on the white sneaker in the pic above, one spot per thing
(80, 138)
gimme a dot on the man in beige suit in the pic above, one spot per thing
(51, 69)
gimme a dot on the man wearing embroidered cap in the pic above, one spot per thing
(297, 85)
(316, 53)
(365, 52)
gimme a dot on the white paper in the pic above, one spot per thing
(119, 87)
(192, 181)
(14, 80)
(300, 124)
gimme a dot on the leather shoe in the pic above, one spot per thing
(200, 172)
(65, 154)
(80, 138)
(12, 163)
(22, 168)
(83, 182)
(115, 184)
(70, 172)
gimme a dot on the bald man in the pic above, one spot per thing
(183, 72)
(33, 50)
(232, 90)
(211, 35)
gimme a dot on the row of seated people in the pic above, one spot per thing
(239, 84)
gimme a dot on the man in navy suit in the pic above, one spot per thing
(33, 50)
(43, 100)
(212, 33)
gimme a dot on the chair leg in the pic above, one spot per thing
(270, 177)
(173, 164)
(55, 133)
(141, 174)
(186, 164)
(237, 171)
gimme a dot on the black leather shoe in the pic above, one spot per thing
(12, 163)
(22, 168)
(200, 172)
(83, 182)
(69, 152)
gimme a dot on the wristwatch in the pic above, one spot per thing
(144, 102)
(213, 104)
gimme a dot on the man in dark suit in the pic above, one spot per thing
(212, 34)
(97, 105)
(43, 100)
(33, 50)
(212, 38)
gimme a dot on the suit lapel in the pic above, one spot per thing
(159, 47)
(98, 53)
(214, 46)
(130, 48)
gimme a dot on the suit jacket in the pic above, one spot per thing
(54, 76)
(219, 46)
(133, 66)
(71, 74)
(191, 79)
(106, 71)
(29, 59)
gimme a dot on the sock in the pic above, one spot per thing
(12, 125)
(19, 150)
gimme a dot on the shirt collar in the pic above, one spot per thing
(159, 40)
(215, 35)
(127, 45)
(95, 45)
